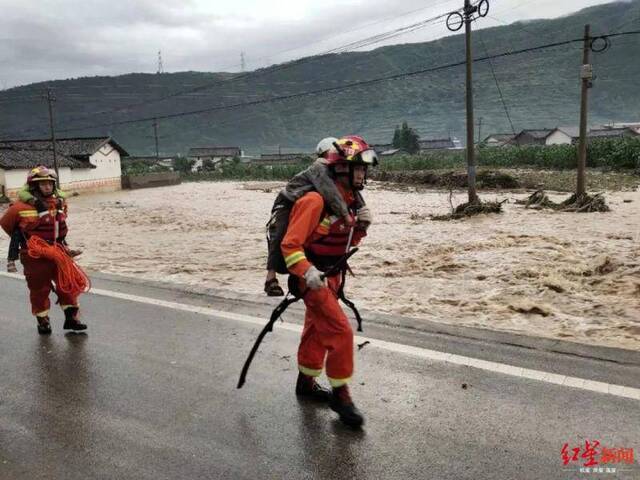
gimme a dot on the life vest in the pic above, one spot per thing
(328, 242)
(52, 224)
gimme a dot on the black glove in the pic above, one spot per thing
(40, 205)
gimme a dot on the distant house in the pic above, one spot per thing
(499, 139)
(635, 126)
(437, 144)
(621, 132)
(214, 155)
(85, 164)
(283, 158)
(150, 161)
(563, 136)
(382, 147)
(392, 152)
(533, 137)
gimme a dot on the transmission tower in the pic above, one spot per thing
(160, 67)
(242, 62)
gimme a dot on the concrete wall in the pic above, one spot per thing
(148, 180)
(106, 177)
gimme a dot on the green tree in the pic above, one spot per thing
(397, 142)
(183, 164)
(406, 138)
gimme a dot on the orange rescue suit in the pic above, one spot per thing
(51, 226)
(314, 236)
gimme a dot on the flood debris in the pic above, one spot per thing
(530, 309)
(470, 210)
(575, 203)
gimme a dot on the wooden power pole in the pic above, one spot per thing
(50, 99)
(471, 153)
(586, 75)
(155, 134)
(455, 20)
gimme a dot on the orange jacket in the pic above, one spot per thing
(308, 222)
(25, 217)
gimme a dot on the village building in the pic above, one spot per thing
(439, 144)
(533, 137)
(563, 136)
(392, 152)
(609, 132)
(212, 156)
(283, 158)
(150, 161)
(382, 147)
(91, 164)
(499, 140)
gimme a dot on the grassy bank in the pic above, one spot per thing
(610, 154)
(613, 165)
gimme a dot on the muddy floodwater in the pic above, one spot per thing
(571, 276)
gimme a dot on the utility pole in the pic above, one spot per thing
(586, 75)
(155, 134)
(471, 153)
(243, 64)
(50, 99)
(455, 20)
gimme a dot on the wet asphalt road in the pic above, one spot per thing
(149, 393)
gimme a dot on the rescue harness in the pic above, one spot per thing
(293, 295)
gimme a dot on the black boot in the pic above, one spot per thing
(307, 387)
(44, 327)
(71, 321)
(342, 404)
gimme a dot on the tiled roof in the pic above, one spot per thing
(438, 143)
(81, 148)
(540, 133)
(13, 158)
(612, 133)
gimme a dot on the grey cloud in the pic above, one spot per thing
(72, 38)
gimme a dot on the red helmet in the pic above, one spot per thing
(352, 149)
(41, 174)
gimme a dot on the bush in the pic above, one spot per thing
(249, 171)
(141, 167)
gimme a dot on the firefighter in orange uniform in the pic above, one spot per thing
(316, 238)
(45, 219)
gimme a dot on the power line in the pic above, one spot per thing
(493, 73)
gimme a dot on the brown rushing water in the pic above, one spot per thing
(577, 274)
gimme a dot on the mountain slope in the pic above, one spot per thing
(541, 89)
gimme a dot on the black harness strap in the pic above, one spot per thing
(293, 295)
(348, 302)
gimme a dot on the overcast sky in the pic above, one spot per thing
(58, 39)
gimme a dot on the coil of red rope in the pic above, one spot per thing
(71, 278)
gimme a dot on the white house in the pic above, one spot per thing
(214, 155)
(85, 164)
(498, 139)
(563, 136)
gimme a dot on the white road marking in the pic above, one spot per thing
(494, 367)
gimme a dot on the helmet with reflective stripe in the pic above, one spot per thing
(325, 146)
(352, 149)
(41, 174)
